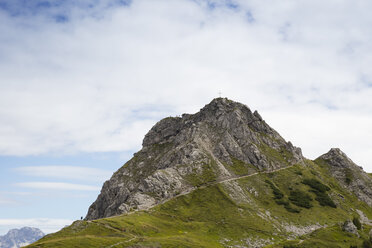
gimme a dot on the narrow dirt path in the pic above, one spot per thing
(218, 182)
(122, 242)
(202, 187)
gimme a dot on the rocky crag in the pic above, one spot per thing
(348, 174)
(222, 141)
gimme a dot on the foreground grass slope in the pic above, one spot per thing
(259, 210)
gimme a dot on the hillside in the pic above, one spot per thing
(224, 178)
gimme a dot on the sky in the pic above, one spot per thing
(81, 83)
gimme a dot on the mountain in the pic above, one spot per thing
(224, 178)
(20, 237)
(221, 142)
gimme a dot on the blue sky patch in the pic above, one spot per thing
(250, 17)
(31, 8)
(232, 5)
(61, 18)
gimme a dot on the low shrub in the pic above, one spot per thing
(277, 193)
(298, 172)
(324, 199)
(320, 190)
(316, 185)
(287, 206)
(300, 198)
(357, 223)
(289, 246)
(279, 198)
(367, 244)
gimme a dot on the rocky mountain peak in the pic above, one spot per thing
(220, 113)
(349, 175)
(229, 114)
(223, 140)
(20, 237)
(224, 105)
(338, 158)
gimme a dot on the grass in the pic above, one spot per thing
(240, 168)
(282, 156)
(331, 236)
(348, 176)
(207, 175)
(196, 220)
(211, 217)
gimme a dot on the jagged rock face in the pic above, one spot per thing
(20, 237)
(349, 175)
(224, 140)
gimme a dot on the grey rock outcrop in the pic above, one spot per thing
(20, 237)
(180, 153)
(349, 227)
(348, 174)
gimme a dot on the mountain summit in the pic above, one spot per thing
(223, 178)
(348, 174)
(224, 140)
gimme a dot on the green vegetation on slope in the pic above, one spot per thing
(240, 168)
(277, 193)
(206, 176)
(278, 197)
(328, 237)
(320, 190)
(300, 198)
(357, 223)
(214, 216)
(281, 156)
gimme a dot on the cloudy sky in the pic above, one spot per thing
(82, 81)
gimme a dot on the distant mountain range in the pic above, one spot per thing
(20, 237)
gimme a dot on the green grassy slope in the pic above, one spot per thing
(243, 212)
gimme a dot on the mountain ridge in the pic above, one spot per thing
(224, 178)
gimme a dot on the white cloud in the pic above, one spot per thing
(98, 84)
(333, 129)
(44, 224)
(57, 186)
(66, 172)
